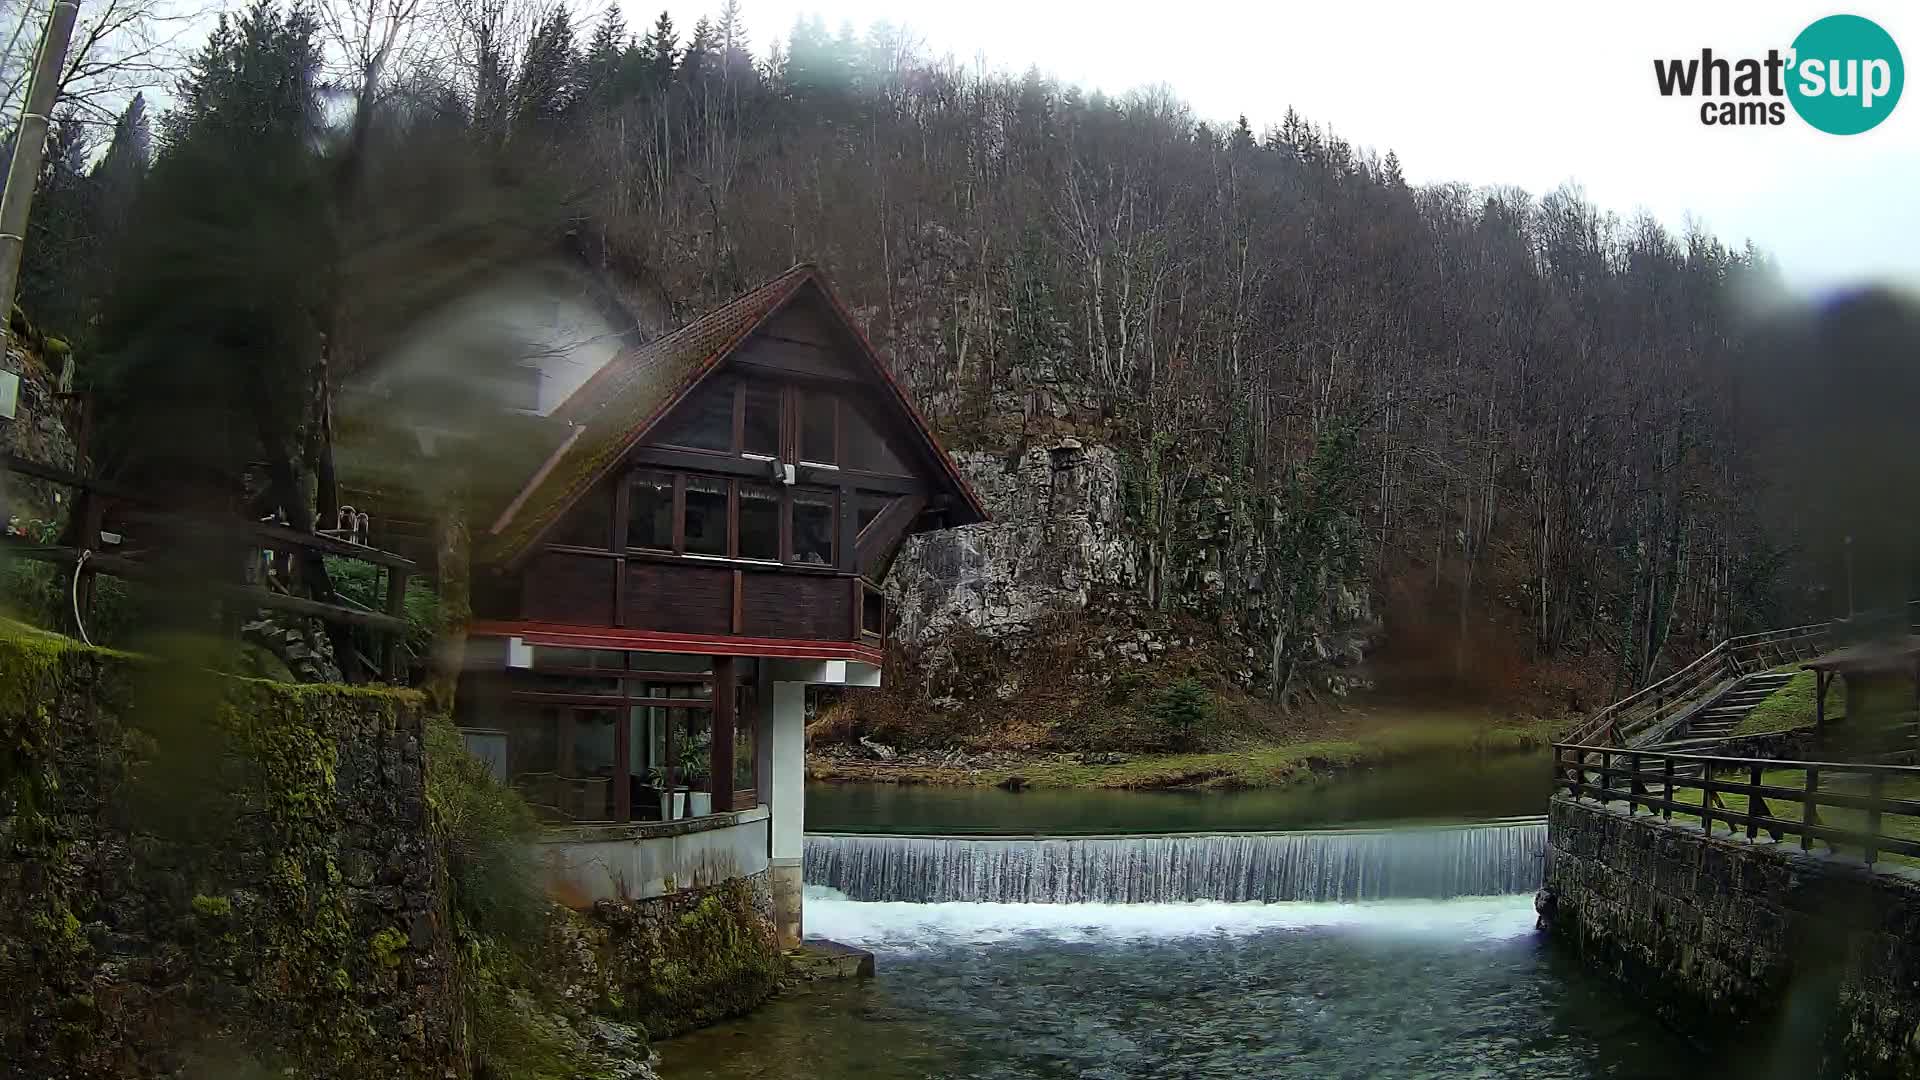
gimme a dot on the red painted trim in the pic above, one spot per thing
(566, 636)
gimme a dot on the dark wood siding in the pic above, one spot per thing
(677, 598)
(804, 322)
(763, 352)
(810, 606)
(559, 587)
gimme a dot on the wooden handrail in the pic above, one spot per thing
(1576, 773)
(1673, 692)
(89, 557)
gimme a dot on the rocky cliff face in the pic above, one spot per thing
(36, 433)
(1054, 589)
(1058, 539)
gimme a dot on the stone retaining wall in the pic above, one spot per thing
(1814, 957)
(207, 876)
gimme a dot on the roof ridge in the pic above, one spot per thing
(568, 410)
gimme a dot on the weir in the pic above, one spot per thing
(1432, 863)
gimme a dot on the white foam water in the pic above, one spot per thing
(898, 925)
(1434, 863)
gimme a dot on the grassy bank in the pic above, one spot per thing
(1252, 765)
(1791, 707)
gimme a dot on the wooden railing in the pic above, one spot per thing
(92, 554)
(1846, 806)
(1690, 686)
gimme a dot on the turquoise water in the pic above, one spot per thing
(1465, 789)
(965, 991)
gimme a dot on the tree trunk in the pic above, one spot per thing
(453, 543)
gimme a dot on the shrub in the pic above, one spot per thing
(360, 582)
(489, 833)
(41, 594)
(1181, 709)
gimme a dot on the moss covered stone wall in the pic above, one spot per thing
(670, 963)
(214, 876)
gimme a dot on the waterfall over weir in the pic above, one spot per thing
(1328, 865)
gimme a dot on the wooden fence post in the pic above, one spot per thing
(1875, 788)
(1810, 812)
(397, 608)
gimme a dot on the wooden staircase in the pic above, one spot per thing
(1716, 720)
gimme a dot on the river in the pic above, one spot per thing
(1247, 945)
(1469, 789)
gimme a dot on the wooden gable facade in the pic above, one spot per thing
(753, 510)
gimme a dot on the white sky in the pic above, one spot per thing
(1524, 92)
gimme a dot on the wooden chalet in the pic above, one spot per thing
(706, 536)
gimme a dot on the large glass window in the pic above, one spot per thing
(817, 410)
(650, 511)
(706, 422)
(762, 431)
(759, 521)
(813, 526)
(706, 516)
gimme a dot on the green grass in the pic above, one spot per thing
(1250, 766)
(1896, 787)
(1791, 707)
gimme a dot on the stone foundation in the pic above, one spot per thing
(1813, 955)
(670, 963)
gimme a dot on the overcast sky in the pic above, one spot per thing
(1485, 91)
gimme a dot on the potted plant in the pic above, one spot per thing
(695, 764)
(673, 804)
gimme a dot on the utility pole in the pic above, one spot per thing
(29, 148)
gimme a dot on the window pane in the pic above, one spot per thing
(590, 522)
(865, 447)
(873, 611)
(706, 516)
(816, 427)
(746, 719)
(658, 661)
(813, 526)
(759, 521)
(590, 787)
(763, 419)
(706, 422)
(650, 511)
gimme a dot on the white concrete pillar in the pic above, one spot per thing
(786, 718)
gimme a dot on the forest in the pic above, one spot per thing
(1536, 431)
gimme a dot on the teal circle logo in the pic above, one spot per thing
(1846, 74)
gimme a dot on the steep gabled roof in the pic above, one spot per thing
(613, 411)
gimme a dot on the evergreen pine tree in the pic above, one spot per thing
(58, 258)
(1394, 177)
(702, 55)
(600, 66)
(547, 86)
(1241, 141)
(809, 61)
(735, 62)
(661, 52)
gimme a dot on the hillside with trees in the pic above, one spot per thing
(1515, 423)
